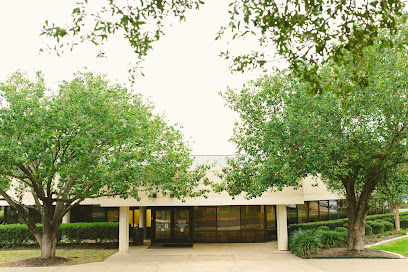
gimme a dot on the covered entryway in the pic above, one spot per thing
(171, 225)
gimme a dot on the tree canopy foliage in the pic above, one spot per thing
(350, 143)
(305, 33)
(88, 139)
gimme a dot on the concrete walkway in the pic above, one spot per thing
(224, 258)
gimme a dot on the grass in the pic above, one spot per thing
(77, 256)
(399, 246)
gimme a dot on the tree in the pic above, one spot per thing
(287, 134)
(303, 32)
(87, 140)
(394, 190)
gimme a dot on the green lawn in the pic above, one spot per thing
(77, 256)
(399, 246)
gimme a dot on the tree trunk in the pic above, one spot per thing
(396, 217)
(356, 237)
(357, 213)
(48, 244)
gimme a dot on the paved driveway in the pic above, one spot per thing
(224, 258)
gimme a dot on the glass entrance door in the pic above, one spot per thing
(163, 224)
(181, 224)
(171, 224)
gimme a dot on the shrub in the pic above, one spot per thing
(402, 232)
(368, 222)
(330, 238)
(341, 229)
(377, 228)
(404, 222)
(1, 217)
(331, 224)
(345, 225)
(323, 228)
(388, 226)
(379, 235)
(304, 242)
(368, 230)
(389, 219)
(387, 233)
(379, 220)
(100, 232)
(14, 235)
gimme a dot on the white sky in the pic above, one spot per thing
(184, 73)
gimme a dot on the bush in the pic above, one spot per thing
(331, 224)
(304, 242)
(388, 226)
(323, 228)
(15, 235)
(389, 219)
(1, 217)
(404, 222)
(100, 232)
(345, 225)
(341, 229)
(387, 233)
(331, 238)
(402, 232)
(377, 228)
(379, 220)
(368, 230)
(368, 222)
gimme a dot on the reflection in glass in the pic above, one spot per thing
(112, 215)
(333, 210)
(252, 218)
(181, 224)
(228, 218)
(291, 211)
(342, 206)
(270, 217)
(163, 224)
(313, 211)
(205, 218)
(98, 214)
(303, 213)
(324, 210)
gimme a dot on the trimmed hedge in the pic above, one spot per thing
(332, 224)
(388, 226)
(368, 230)
(14, 235)
(341, 229)
(101, 232)
(323, 228)
(378, 228)
(404, 222)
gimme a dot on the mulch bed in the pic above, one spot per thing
(368, 253)
(37, 262)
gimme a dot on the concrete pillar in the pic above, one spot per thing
(67, 217)
(124, 229)
(142, 220)
(282, 227)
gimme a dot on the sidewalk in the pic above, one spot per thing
(227, 257)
